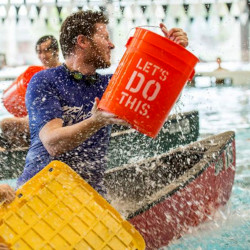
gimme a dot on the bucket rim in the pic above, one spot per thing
(160, 38)
(185, 53)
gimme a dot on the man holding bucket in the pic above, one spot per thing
(65, 122)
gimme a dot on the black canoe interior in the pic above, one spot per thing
(138, 181)
(132, 186)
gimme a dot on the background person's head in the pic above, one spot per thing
(85, 33)
(218, 60)
(47, 49)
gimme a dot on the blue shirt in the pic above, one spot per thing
(54, 93)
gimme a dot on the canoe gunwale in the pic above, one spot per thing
(170, 119)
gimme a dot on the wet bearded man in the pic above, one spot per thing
(65, 125)
(52, 137)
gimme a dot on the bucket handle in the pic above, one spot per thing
(142, 26)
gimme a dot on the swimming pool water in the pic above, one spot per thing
(220, 109)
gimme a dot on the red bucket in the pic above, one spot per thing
(14, 95)
(148, 81)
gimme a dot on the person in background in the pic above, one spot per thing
(47, 49)
(65, 123)
(2, 60)
(218, 60)
(15, 131)
(220, 74)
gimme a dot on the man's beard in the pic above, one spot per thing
(100, 63)
(97, 58)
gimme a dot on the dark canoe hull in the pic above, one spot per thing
(125, 145)
(164, 196)
(128, 146)
(12, 162)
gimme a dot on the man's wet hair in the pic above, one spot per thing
(54, 46)
(79, 23)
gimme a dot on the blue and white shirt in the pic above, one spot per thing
(54, 93)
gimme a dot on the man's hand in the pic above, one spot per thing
(7, 194)
(3, 247)
(176, 35)
(104, 117)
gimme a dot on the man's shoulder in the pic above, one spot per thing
(105, 77)
(50, 72)
(47, 75)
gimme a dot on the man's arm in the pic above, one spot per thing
(16, 131)
(58, 139)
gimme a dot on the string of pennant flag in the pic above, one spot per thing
(120, 9)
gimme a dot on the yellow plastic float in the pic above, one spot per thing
(57, 209)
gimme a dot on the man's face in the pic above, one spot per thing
(45, 54)
(99, 52)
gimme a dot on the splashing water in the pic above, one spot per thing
(220, 109)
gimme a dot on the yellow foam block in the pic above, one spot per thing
(57, 209)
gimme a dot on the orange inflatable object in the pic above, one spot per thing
(14, 95)
(148, 81)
